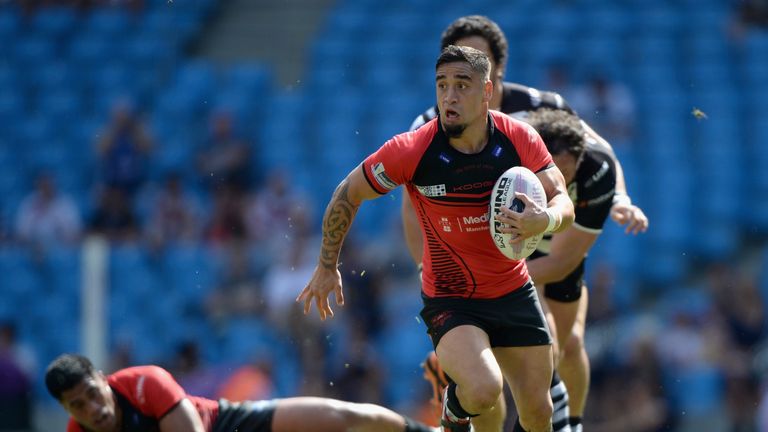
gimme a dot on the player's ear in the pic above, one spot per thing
(488, 90)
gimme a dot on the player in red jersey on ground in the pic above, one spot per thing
(147, 399)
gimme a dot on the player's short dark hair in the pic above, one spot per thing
(560, 130)
(476, 59)
(65, 372)
(478, 25)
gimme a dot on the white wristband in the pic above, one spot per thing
(621, 198)
(552, 223)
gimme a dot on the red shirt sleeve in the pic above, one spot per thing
(73, 426)
(151, 389)
(395, 162)
(528, 143)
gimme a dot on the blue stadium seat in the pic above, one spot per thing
(54, 22)
(251, 78)
(10, 23)
(57, 75)
(108, 22)
(61, 106)
(608, 20)
(148, 52)
(189, 270)
(658, 19)
(12, 110)
(248, 339)
(34, 51)
(89, 52)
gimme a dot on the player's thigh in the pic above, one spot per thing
(581, 316)
(303, 414)
(465, 355)
(528, 371)
(564, 314)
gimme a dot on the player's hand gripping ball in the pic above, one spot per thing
(515, 179)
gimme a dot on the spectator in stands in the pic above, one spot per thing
(608, 106)
(226, 224)
(750, 13)
(192, 372)
(251, 381)
(114, 216)
(123, 149)
(16, 372)
(174, 216)
(226, 159)
(47, 217)
(277, 212)
(239, 291)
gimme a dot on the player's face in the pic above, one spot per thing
(479, 43)
(462, 96)
(567, 164)
(92, 404)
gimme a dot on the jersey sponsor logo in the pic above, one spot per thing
(597, 200)
(496, 151)
(472, 186)
(445, 158)
(381, 177)
(474, 220)
(598, 175)
(432, 190)
(140, 390)
(474, 223)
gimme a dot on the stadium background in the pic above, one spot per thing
(677, 329)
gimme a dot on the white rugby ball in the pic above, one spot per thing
(515, 179)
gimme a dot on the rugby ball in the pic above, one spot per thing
(515, 179)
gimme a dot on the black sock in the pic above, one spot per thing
(412, 425)
(574, 421)
(555, 379)
(518, 426)
(453, 403)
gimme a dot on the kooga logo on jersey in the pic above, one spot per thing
(476, 185)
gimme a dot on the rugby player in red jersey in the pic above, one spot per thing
(148, 399)
(561, 306)
(481, 309)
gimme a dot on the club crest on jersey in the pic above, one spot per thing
(432, 190)
(381, 177)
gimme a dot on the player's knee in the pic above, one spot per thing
(481, 395)
(574, 344)
(537, 416)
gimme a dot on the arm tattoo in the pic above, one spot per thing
(336, 222)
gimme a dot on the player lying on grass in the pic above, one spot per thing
(147, 398)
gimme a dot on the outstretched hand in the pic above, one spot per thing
(522, 225)
(630, 215)
(323, 282)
